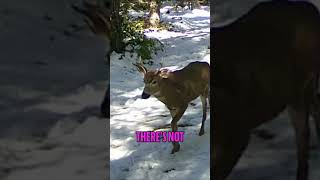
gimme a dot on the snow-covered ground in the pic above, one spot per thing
(52, 81)
(129, 113)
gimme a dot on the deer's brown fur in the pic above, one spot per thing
(264, 62)
(177, 88)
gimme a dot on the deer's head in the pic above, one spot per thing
(153, 81)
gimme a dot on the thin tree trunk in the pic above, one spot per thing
(116, 23)
(195, 4)
(154, 14)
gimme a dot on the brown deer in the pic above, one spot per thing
(177, 88)
(264, 62)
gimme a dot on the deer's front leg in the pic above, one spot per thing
(104, 107)
(299, 118)
(227, 150)
(176, 114)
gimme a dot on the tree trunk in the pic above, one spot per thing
(116, 23)
(195, 4)
(154, 14)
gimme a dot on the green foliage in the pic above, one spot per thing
(147, 47)
(136, 5)
(133, 30)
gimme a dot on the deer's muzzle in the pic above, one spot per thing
(145, 95)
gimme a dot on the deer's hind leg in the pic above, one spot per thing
(226, 152)
(315, 107)
(316, 116)
(315, 113)
(204, 110)
(299, 119)
(204, 115)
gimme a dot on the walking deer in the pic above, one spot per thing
(264, 62)
(177, 88)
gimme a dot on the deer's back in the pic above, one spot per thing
(263, 61)
(188, 83)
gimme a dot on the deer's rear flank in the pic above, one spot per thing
(190, 83)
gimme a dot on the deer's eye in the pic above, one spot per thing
(154, 82)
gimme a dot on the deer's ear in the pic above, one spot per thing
(141, 68)
(164, 74)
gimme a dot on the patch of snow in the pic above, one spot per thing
(129, 113)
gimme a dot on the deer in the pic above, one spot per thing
(176, 89)
(265, 62)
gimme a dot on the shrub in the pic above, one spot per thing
(134, 32)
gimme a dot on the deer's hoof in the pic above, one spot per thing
(104, 110)
(175, 148)
(201, 132)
